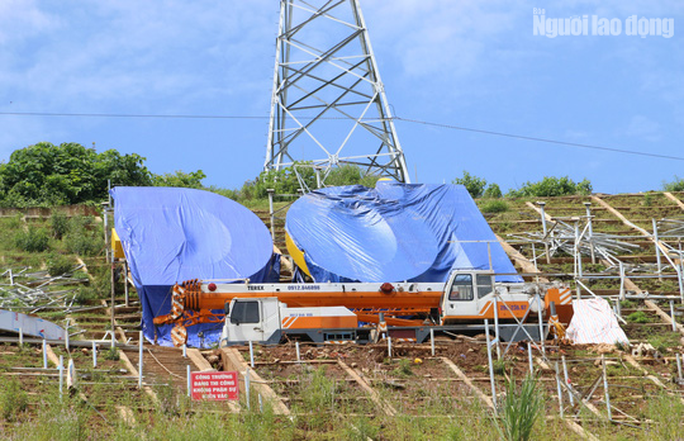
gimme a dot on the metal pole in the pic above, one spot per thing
(188, 377)
(61, 375)
(491, 364)
(185, 350)
(680, 273)
(657, 248)
(489, 255)
(529, 357)
(534, 257)
(541, 324)
(622, 280)
(247, 384)
(94, 355)
(544, 228)
(605, 387)
(66, 336)
(432, 342)
(106, 231)
(297, 348)
(672, 316)
(251, 354)
(45, 360)
(496, 326)
(389, 346)
(270, 192)
(140, 361)
(567, 380)
(679, 367)
(21, 337)
(125, 265)
(578, 252)
(560, 393)
(113, 293)
(591, 232)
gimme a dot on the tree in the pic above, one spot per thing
(44, 174)
(473, 184)
(493, 191)
(180, 179)
(551, 186)
(676, 185)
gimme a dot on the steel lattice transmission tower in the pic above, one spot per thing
(329, 106)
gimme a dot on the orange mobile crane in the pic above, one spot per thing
(407, 309)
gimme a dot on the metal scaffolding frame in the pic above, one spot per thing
(329, 106)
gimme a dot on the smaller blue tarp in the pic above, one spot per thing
(170, 235)
(394, 232)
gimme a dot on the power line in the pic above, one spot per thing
(132, 115)
(397, 118)
(536, 139)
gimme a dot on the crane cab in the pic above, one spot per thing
(472, 296)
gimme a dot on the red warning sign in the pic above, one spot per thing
(214, 386)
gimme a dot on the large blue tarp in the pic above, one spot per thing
(394, 232)
(171, 235)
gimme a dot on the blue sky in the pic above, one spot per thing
(469, 64)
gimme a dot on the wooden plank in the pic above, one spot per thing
(232, 360)
(134, 371)
(196, 357)
(51, 355)
(476, 390)
(526, 265)
(581, 431)
(126, 415)
(653, 306)
(625, 221)
(538, 210)
(387, 408)
(674, 199)
(663, 315)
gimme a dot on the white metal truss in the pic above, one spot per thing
(329, 106)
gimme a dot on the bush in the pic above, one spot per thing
(676, 185)
(638, 317)
(33, 240)
(473, 184)
(58, 264)
(83, 237)
(494, 206)
(59, 224)
(550, 186)
(350, 175)
(13, 399)
(493, 191)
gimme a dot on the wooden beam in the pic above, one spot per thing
(51, 355)
(674, 199)
(134, 372)
(538, 210)
(387, 408)
(476, 390)
(232, 360)
(526, 265)
(653, 306)
(196, 357)
(625, 221)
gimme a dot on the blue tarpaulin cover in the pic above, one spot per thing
(171, 235)
(392, 233)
